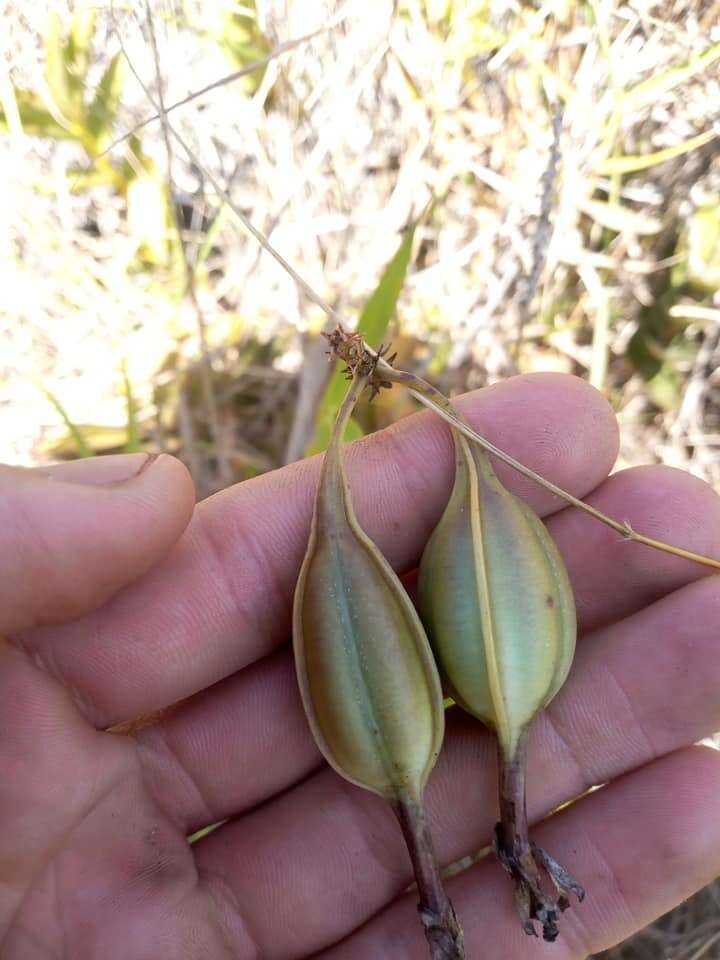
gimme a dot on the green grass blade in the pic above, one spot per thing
(103, 109)
(81, 444)
(213, 233)
(33, 118)
(379, 309)
(633, 163)
(204, 832)
(132, 444)
(372, 324)
(78, 50)
(648, 91)
(59, 80)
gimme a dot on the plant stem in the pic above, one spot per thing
(442, 929)
(430, 397)
(523, 860)
(512, 772)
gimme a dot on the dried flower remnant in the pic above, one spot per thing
(369, 684)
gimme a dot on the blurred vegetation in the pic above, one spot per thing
(86, 71)
(138, 313)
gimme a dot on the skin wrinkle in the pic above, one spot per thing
(374, 832)
(365, 811)
(60, 842)
(222, 894)
(168, 855)
(569, 753)
(388, 451)
(252, 554)
(48, 953)
(174, 779)
(44, 661)
(652, 751)
(59, 919)
(611, 880)
(17, 517)
(155, 743)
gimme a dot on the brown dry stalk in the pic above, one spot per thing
(224, 467)
(345, 347)
(442, 929)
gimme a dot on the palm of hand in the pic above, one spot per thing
(94, 861)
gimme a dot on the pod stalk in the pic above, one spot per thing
(442, 929)
(521, 858)
(366, 673)
(431, 397)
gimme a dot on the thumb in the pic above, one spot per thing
(75, 533)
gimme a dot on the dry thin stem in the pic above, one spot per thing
(430, 397)
(251, 228)
(542, 229)
(229, 78)
(225, 475)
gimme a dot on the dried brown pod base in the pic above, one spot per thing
(528, 864)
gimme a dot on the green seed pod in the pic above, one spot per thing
(497, 603)
(366, 673)
(369, 684)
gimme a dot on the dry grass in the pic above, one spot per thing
(330, 150)
(690, 932)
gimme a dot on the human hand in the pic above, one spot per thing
(117, 603)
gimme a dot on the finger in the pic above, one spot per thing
(641, 846)
(223, 599)
(74, 534)
(43, 778)
(196, 752)
(335, 843)
(613, 577)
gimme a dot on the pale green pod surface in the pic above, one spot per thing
(496, 601)
(368, 680)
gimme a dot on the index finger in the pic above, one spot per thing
(223, 598)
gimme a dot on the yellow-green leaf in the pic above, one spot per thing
(35, 119)
(57, 73)
(133, 444)
(82, 447)
(103, 109)
(648, 91)
(633, 163)
(78, 47)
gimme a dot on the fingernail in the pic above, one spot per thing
(101, 471)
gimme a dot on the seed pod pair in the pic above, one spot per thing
(498, 607)
(366, 673)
